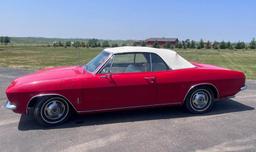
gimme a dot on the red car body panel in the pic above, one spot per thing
(89, 92)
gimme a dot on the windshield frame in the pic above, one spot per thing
(99, 66)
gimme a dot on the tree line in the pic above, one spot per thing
(191, 44)
(91, 43)
(5, 40)
(216, 45)
(185, 44)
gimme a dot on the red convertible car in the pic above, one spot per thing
(122, 78)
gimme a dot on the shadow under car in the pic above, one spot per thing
(77, 120)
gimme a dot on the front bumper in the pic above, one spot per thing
(9, 105)
(243, 88)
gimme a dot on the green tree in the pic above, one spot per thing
(134, 43)
(179, 45)
(98, 44)
(1, 40)
(60, 44)
(187, 43)
(114, 45)
(6, 40)
(229, 45)
(215, 45)
(77, 44)
(143, 43)
(201, 44)
(93, 43)
(253, 44)
(68, 44)
(208, 45)
(184, 45)
(57, 44)
(192, 44)
(240, 45)
(105, 44)
(223, 45)
(83, 44)
(124, 44)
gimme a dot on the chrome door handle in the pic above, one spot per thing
(150, 79)
(106, 76)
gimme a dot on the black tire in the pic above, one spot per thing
(199, 100)
(52, 111)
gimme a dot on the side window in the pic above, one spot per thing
(128, 62)
(140, 58)
(123, 58)
(158, 63)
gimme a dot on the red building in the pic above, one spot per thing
(161, 41)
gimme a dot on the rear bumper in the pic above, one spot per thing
(9, 105)
(243, 88)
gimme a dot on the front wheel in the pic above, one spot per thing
(51, 111)
(199, 100)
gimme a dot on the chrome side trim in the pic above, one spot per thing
(9, 105)
(243, 88)
(49, 94)
(195, 85)
(130, 107)
(99, 110)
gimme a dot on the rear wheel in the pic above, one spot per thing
(199, 100)
(51, 111)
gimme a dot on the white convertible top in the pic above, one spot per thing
(171, 58)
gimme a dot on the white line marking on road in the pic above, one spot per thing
(7, 122)
(245, 144)
(97, 143)
(242, 97)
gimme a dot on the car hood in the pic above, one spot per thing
(49, 74)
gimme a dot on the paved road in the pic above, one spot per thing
(230, 127)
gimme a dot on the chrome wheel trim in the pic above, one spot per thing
(200, 100)
(54, 110)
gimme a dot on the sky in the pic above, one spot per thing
(229, 20)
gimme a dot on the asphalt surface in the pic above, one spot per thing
(231, 126)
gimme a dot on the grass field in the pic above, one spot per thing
(32, 57)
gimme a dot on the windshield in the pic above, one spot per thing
(96, 61)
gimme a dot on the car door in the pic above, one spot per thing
(134, 89)
(133, 84)
(169, 86)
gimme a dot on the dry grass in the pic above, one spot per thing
(32, 57)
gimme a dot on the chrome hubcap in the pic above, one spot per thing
(54, 110)
(200, 100)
